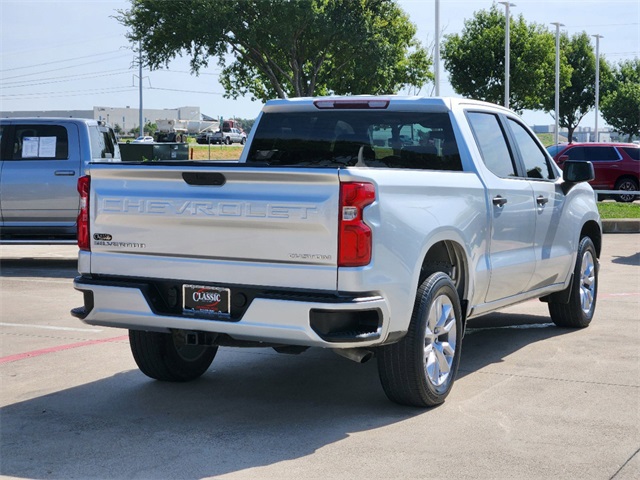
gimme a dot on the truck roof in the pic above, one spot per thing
(390, 102)
(20, 120)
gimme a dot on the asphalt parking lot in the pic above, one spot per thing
(532, 401)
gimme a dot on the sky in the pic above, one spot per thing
(73, 54)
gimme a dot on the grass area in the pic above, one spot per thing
(217, 152)
(549, 138)
(618, 210)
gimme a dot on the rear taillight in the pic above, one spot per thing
(354, 241)
(84, 242)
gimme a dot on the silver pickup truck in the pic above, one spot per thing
(41, 160)
(372, 226)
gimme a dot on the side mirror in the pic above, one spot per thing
(575, 171)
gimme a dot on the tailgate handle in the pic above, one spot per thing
(204, 178)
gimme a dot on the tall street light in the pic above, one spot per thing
(597, 37)
(140, 82)
(436, 57)
(558, 25)
(506, 51)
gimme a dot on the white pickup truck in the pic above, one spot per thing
(373, 226)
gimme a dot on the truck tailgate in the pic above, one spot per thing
(216, 223)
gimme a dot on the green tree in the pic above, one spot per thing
(246, 123)
(475, 60)
(578, 74)
(150, 128)
(285, 48)
(620, 104)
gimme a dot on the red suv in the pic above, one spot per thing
(617, 165)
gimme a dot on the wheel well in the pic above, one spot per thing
(448, 257)
(623, 177)
(592, 230)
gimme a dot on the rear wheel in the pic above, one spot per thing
(243, 140)
(165, 356)
(421, 368)
(227, 141)
(629, 184)
(578, 312)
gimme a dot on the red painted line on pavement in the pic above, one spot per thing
(59, 348)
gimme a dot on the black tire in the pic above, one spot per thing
(578, 312)
(413, 374)
(159, 356)
(243, 141)
(227, 141)
(626, 183)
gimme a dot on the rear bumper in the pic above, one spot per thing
(287, 318)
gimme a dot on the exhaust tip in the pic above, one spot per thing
(358, 355)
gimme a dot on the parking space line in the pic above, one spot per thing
(59, 348)
(51, 327)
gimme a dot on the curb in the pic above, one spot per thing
(621, 225)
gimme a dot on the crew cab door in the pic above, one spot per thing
(40, 166)
(512, 213)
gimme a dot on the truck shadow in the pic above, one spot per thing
(632, 260)
(47, 267)
(253, 408)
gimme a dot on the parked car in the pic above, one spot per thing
(204, 138)
(143, 139)
(318, 237)
(228, 136)
(617, 165)
(40, 163)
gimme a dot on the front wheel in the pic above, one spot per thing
(166, 357)
(227, 141)
(578, 312)
(420, 369)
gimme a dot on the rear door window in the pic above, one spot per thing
(600, 154)
(40, 142)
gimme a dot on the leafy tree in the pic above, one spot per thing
(577, 74)
(150, 128)
(621, 102)
(284, 48)
(246, 123)
(475, 60)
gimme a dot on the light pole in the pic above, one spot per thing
(506, 51)
(558, 25)
(140, 82)
(436, 56)
(597, 37)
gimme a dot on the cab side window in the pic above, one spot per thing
(40, 142)
(492, 143)
(535, 161)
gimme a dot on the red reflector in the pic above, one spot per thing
(354, 242)
(84, 242)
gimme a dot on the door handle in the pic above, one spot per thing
(65, 173)
(499, 201)
(542, 200)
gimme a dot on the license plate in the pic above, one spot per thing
(207, 300)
